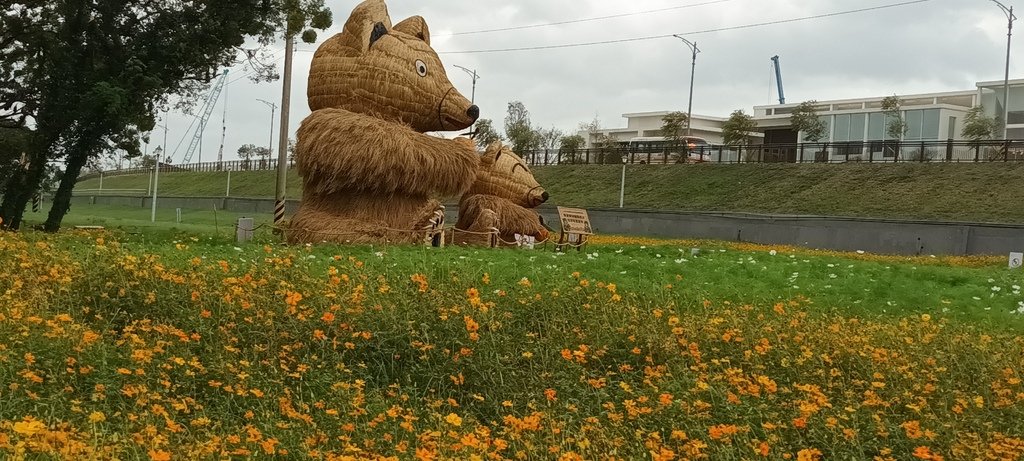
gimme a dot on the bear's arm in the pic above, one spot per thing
(338, 149)
(512, 218)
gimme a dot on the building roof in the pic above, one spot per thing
(666, 112)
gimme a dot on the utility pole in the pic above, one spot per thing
(273, 108)
(282, 151)
(693, 69)
(1006, 79)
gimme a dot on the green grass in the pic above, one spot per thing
(961, 192)
(207, 350)
(138, 221)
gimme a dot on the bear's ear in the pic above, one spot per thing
(416, 27)
(368, 23)
(379, 30)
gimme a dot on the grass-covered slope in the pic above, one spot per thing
(963, 192)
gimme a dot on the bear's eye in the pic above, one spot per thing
(421, 68)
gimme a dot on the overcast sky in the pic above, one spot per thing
(930, 46)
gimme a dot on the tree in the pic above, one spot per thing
(550, 138)
(805, 120)
(13, 141)
(570, 148)
(673, 128)
(486, 134)
(737, 130)
(518, 129)
(892, 109)
(90, 76)
(978, 126)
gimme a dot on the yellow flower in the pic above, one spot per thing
(97, 417)
(453, 419)
(30, 426)
(808, 454)
(159, 455)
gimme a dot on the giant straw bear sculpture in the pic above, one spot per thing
(369, 172)
(501, 198)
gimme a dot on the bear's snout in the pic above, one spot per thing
(544, 197)
(473, 112)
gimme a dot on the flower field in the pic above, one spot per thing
(119, 348)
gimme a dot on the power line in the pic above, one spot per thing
(599, 18)
(706, 31)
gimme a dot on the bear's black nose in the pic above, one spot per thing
(473, 112)
(544, 197)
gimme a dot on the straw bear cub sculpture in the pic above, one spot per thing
(369, 172)
(501, 198)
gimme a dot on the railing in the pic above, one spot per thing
(205, 167)
(823, 152)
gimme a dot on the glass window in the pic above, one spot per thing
(930, 125)
(842, 132)
(913, 119)
(857, 127)
(876, 126)
(827, 120)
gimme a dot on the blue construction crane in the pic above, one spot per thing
(778, 79)
(205, 112)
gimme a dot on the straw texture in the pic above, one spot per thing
(369, 173)
(504, 186)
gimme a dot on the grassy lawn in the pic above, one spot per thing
(178, 343)
(137, 221)
(960, 192)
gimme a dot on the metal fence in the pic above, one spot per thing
(228, 165)
(837, 152)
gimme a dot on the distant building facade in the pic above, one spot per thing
(855, 122)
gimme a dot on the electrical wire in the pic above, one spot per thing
(599, 18)
(705, 31)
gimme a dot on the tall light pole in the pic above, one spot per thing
(476, 76)
(1006, 79)
(156, 173)
(693, 68)
(472, 97)
(273, 109)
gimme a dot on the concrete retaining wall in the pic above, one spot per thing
(833, 233)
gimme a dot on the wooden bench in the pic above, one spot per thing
(575, 228)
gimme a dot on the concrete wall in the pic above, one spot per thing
(833, 233)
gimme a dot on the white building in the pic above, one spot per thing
(929, 117)
(648, 124)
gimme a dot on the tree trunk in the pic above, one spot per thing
(20, 189)
(62, 199)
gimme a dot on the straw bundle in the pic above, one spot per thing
(505, 187)
(369, 173)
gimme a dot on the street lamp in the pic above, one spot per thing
(1006, 79)
(475, 76)
(156, 181)
(273, 109)
(156, 173)
(693, 68)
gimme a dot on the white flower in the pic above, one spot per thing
(643, 247)
(657, 255)
(991, 280)
(831, 265)
(379, 254)
(860, 252)
(773, 252)
(976, 298)
(619, 251)
(680, 261)
(997, 289)
(1016, 287)
(832, 276)
(238, 249)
